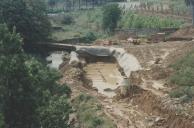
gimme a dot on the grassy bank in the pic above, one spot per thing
(184, 77)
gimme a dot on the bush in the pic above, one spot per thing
(90, 36)
(67, 20)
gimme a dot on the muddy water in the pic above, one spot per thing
(104, 76)
(55, 59)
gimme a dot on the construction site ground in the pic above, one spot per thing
(148, 104)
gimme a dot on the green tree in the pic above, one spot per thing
(28, 16)
(111, 16)
(26, 85)
(56, 113)
(17, 92)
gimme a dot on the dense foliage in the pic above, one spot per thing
(28, 16)
(111, 17)
(27, 87)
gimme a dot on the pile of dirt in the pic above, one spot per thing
(169, 117)
(186, 33)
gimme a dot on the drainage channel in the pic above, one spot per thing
(101, 66)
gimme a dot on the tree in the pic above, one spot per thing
(28, 16)
(191, 4)
(26, 85)
(111, 16)
(17, 92)
(56, 113)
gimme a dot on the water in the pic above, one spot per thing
(104, 76)
(56, 59)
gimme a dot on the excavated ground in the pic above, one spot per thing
(147, 104)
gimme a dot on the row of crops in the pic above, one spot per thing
(131, 20)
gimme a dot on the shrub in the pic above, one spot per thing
(68, 20)
(90, 36)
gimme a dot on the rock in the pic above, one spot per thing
(158, 61)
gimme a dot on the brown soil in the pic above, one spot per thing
(167, 52)
(146, 106)
(186, 32)
(152, 104)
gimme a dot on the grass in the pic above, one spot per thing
(85, 21)
(90, 21)
(90, 113)
(184, 76)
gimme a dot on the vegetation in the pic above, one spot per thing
(67, 20)
(56, 114)
(183, 76)
(90, 114)
(28, 16)
(111, 17)
(85, 23)
(132, 20)
(27, 87)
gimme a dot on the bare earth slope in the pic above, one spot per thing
(148, 104)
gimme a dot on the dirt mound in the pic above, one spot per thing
(186, 33)
(153, 105)
(175, 121)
